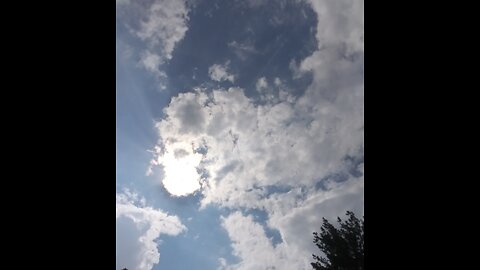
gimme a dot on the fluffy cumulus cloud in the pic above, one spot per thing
(138, 228)
(220, 73)
(295, 157)
(248, 147)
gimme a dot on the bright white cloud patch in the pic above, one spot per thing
(177, 155)
(254, 248)
(337, 66)
(138, 226)
(179, 162)
(220, 72)
(295, 223)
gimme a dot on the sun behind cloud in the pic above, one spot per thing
(180, 166)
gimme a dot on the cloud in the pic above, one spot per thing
(220, 72)
(295, 224)
(160, 25)
(272, 93)
(151, 62)
(251, 146)
(297, 235)
(288, 156)
(177, 155)
(340, 24)
(261, 84)
(277, 81)
(138, 227)
(180, 161)
(251, 149)
(337, 65)
(243, 50)
(254, 248)
(165, 25)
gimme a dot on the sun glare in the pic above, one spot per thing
(181, 177)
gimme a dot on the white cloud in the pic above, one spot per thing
(340, 23)
(180, 161)
(151, 62)
(220, 72)
(165, 25)
(177, 155)
(254, 248)
(261, 84)
(222, 264)
(251, 145)
(329, 204)
(283, 142)
(138, 226)
(256, 251)
(337, 65)
(161, 25)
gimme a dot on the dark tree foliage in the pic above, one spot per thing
(342, 246)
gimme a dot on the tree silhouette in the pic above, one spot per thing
(342, 246)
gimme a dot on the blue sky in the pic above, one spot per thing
(239, 126)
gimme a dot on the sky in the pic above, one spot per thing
(240, 124)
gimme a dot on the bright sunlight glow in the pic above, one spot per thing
(181, 177)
